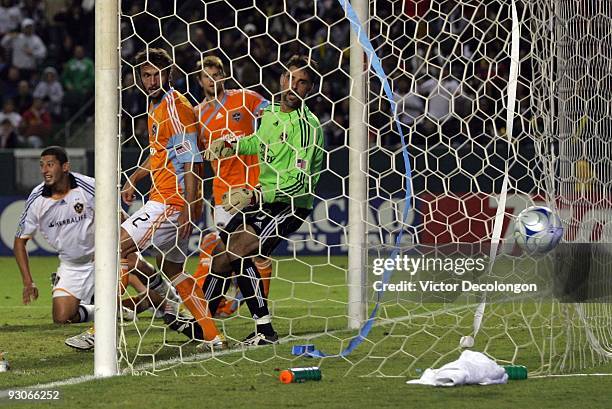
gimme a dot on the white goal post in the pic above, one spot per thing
(107, 179)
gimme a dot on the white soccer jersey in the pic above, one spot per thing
(67, 224)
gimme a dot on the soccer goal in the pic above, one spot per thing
(442, 120)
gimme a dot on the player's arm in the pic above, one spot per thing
(129, 188)
(28, 224)
(187, 144)
(191, 197)
(30, 292)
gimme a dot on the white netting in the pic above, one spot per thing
(448, 63)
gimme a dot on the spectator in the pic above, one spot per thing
(78, 79)
(132, 98)
(49, 89)
(8, 136)
(10, 16)
(27, 48)
(410, 105)
(8, 112)
(35, 9)
(23, 99)
(76, 21)
(11, 84)
(65, 51)
(37, 123)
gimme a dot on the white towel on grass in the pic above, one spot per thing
(471, 368)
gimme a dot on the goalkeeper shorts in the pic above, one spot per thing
(272, 222)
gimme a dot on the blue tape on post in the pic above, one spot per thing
(376, 66)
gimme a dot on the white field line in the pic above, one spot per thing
(570, 375)
(195, 357)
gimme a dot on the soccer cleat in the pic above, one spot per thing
(218, 343)
(186, 326)
(156, 312)
(128, 314)
(84, 341)
(259, 339)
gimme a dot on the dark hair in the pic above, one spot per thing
(57, 151)
(157, 57)
(303, 61)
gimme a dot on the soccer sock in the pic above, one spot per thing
(251, 287)
(125, 276)
(193, 298)
(213, 291)
(86, 313)
(162, 287)
(209, 242)
(265, 271)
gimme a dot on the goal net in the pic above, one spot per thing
(471, 111)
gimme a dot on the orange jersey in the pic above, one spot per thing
(173, 136)
(234, 115)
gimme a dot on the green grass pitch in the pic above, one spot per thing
(309, 306)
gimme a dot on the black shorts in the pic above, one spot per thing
(272, 222)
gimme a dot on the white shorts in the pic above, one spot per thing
(156, 225)
(76, 280)
(221, 217)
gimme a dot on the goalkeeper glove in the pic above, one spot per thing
(237, 199)
(219, 149)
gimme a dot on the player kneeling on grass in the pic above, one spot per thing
(289, 145)
(62, 209)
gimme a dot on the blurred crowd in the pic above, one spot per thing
(46, 68)
(446, 62)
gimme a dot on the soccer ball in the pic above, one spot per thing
(538, 230)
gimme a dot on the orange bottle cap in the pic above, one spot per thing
(286, 376)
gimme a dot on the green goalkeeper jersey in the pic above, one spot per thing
(291, 152)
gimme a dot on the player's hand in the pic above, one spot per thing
(237, 199)
(218, 149)
(184, 224)
(30, 293)
(127, 193)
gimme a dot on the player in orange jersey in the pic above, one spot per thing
(165, 220)
(224, 114)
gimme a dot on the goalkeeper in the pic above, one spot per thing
(289, 145)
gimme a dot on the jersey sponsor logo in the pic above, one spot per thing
(154, 130)
(78, 207)
(182, 147)
(283, 137)
(70, 220)
(237, 116)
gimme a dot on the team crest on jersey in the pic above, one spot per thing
(78, 207)
(154, 130)
(237, 116)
